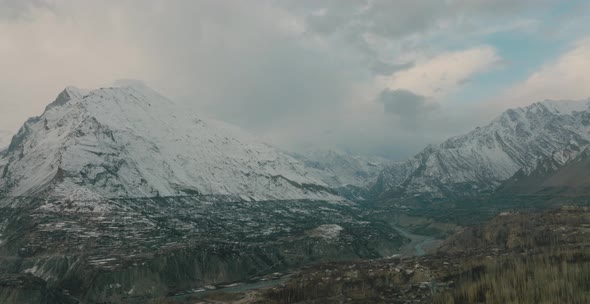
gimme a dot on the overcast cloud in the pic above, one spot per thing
(377, 77)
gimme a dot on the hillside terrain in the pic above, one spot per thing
(119, 195)
(521, 257)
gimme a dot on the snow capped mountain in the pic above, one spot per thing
(131, 142)
(340, 169)
(122, 183)
(350, 175)
(480, 160)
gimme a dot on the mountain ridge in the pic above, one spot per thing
(132, 142)
(481, 160)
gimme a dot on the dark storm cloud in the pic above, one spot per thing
(384, 68)
(409, 107)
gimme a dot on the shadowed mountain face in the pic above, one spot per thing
(564, 174)
(480, 161)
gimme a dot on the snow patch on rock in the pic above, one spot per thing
(327, 231)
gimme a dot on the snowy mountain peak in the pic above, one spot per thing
(130, 141)
(66, 95)
(74, 92)
(558, 107)
(340, 169)
(566, 106)
(480, 160)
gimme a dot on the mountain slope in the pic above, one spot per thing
(558, 175)
(132, 142)
(343, 169)
(350, 175)
(482, 159)
(117, 195)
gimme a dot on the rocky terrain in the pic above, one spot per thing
(135, 249)
(519, 257)
(117, 195)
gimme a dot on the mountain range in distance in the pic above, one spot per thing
(513, 148)
(120, 185)
(89, 143)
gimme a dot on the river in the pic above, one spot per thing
(419, 244)
(235, 288)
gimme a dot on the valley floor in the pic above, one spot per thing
(419, 244)
(520, 257)
(331, 255)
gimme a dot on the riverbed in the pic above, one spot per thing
(419, 245)
(234, 288)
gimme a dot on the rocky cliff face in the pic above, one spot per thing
(479, 161)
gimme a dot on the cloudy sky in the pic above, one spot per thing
(382, 77)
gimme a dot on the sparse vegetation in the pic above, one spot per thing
(560, 277)
(519, 257)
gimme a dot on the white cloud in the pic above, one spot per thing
(297, 72)
(566, 78)
(443, 74)
(46, 51)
